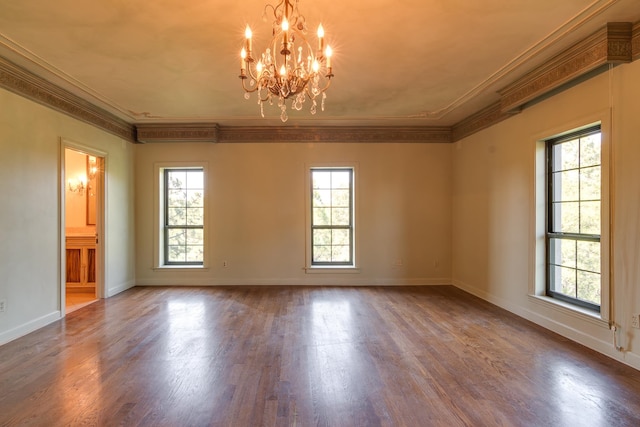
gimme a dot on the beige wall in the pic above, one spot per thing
(256, 196)
(31, 217)
(494, 208)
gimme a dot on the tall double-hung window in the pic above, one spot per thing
(574, 178)
(332, 217)
(183, 216)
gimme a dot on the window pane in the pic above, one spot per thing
(177, 236)
(340, 253)
(195, 180)
(566, 186)
(194, 198)
(563, 280)
(195, 236)
(321, 216)
(321, 179)
(565, 155)
(590, 183)
(321, 237)
(195, 253)
(341, 179)
(340, 237)
(563, 252)
(588, 256)
(177, 198)
(322, 254)
(340, 198)
(195, 216)
(590, 217)
(340, 216)
(176, 216)
(566, 217)
(177, 179)
(177, 253)
(589, 287)
(590, 150)
(321, 198)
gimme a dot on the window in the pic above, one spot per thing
(332, 217)
(574, 170)
(183, 216)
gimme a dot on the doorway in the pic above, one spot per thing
(83, 179)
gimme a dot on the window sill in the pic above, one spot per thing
(332, 270)
(578, 312)
(181, 268)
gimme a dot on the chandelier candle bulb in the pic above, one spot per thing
(247, 34)
(320, 38)
(328, 54)
(243, 59)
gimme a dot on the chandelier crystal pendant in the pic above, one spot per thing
(289, 68)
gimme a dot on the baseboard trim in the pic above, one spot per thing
(120, 288)
(29, 327)
(307, 281)
(603, 347)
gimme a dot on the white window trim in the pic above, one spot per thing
(330, 269)
(537, 258)
(158, 216)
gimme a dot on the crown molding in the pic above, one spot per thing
(483, 119)
(180, 132)
(611, 44)
(614, 43)
(24, 83)
(406, 134)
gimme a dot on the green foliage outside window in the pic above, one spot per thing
(574, 218)
(184, 216)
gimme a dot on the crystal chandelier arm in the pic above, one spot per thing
(244, 86)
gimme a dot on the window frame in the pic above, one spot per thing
(550, 234)
(329, 266)
(168, 227)
(160, 193)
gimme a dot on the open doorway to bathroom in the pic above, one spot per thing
(83, 176)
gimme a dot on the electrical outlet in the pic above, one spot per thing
(3, 305)
(635, 321)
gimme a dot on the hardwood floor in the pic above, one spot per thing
(76, 300)
(294, 356)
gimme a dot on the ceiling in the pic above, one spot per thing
(396, 63)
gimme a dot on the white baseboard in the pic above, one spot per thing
(29, 327)
(604, 347)
(120, 288)
(320, 280)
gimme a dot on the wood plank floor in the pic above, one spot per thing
(299, 356)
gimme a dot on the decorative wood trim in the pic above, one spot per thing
(24, 83)
(635, 42)
(483, 119)
(177, 132)
(611, 44)
(406, 134)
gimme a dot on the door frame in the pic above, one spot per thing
(101, 188)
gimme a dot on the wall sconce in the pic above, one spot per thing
(92, 166)
(77, 185)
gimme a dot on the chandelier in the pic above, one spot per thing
(289, 68)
